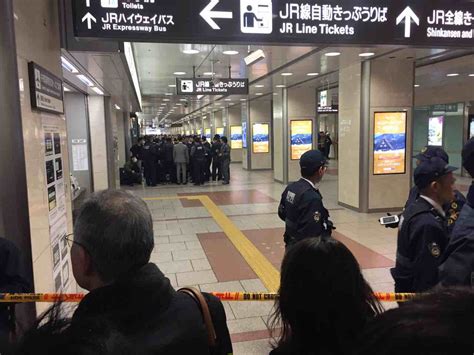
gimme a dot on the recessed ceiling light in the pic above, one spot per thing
(85, 80)
(68, 66)
(183, 100)
(312, 74)
(417, 86)
(190, 51)
(243, 99)
(332, 54)
(368, 54)
(163, 104)
(286, 74)
(66, 89)
(179, 73)
(471, 74)
(169, 94)
(209, 73)
(227, 99)
(275, 94)
(280, 86)
(172, 85)
(166, 100)
(259, 94)
(452, 74)
(230, 52)
(98, 91)
(179, 105)
(259, 86)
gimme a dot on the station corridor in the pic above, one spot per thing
(193, 249)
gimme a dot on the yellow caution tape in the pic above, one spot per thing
(223, 296)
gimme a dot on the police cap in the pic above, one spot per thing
(468, 157)
(312, 160)
(432, 152)
(431, 170)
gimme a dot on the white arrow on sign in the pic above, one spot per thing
(88, 3)
(408, 15)
(89, 18)
(208, 15)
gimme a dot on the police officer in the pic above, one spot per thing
(216, 163)
(301, 205)
(457, 268)
(198, 159)
(423, 234)
(452, 208)
(150, 162)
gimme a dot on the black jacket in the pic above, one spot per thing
(422, 239)
(153, 316)
(457, 268)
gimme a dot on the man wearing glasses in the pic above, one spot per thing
(301, 205)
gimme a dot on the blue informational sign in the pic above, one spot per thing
(244, 135)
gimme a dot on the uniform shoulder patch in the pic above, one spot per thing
(290, 197)
(435, 250)
(317, 216)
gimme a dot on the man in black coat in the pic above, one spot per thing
(423, 233)
(12, 280)
(216, 161)
(457, 268)
(113, 241)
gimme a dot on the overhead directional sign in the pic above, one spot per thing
(212, 86)
(336, 22)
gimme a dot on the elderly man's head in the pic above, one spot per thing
(113, 236)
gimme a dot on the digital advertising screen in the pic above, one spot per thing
(244, 135)
(435, 131)
(220, 131)
(207, 133)
(390, 143)
(261, 138)
(236, 137)
(301, 138)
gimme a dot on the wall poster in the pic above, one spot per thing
(220, 131)
(244, 135)
(261, 138)
(301, 133)
(236, 137)
(56, 195)
(390, 143)
(435, 131)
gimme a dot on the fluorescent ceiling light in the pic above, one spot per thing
(452, 74)
(163, 104)
(275, 94)
(471, 74)
(312, 74)
(133, 69)
(68, 66)
(332, 54)
(209, 73)
(259, 94)
(169, 94)
(280, 86)
(166, 100)
(179, 73)
(259, 86)
(117, 107)
(368, 54)
(183, 100)
(286, 74)
(230, 52)
(254, 57)
(172, 85)
(243, 99)
(227, 99)
(417, 86)
(98, 91)
(66, 89)
(85, 80)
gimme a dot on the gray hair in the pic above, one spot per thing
(116, 229)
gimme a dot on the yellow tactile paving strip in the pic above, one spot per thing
(267, 273)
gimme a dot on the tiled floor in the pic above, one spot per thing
(192, 249)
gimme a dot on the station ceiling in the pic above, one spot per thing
(159, 65)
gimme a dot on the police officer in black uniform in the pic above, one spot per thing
(457, 268)
(150, 162)
(198, 159)
(423, 234)
(301, 205)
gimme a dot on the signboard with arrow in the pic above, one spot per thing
(336, 22)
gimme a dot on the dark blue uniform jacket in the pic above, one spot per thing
(422, 239)
(458, 261)
(302, 209)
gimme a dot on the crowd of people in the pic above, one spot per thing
(324, 304)
(177, 160)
